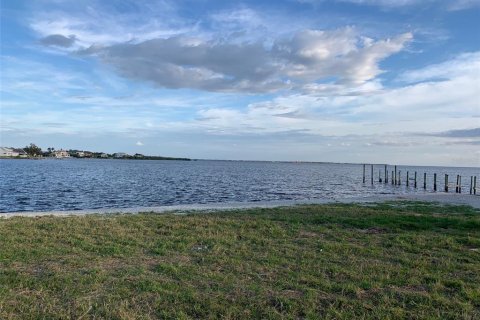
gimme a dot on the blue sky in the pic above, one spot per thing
(315, 80)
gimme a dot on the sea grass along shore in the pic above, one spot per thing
(345, 261)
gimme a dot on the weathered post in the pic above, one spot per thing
(408, 182)
(459, 184)
(371, 175)
(471, 184)
(434, 182)
(391, 178)
(363, 173)
(395, 174)
(386, 174)
(379, 175)
(415, 179)
(399, 181)
(456, 186)
(475, 185)
(425, 180)
(446, 183)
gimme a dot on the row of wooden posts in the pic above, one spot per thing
(395, 179)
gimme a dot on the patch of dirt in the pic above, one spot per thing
(367, 293)
(43, 268)
(308, 234)
(419, 289)
(292, 294)
(374, 230)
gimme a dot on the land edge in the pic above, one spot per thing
(441, 198)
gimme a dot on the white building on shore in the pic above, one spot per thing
(60, 154)
(12, 153)
(119, 155)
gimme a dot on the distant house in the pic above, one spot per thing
(138, 155)
(7, 152)
(80, 154)
(103, 155)
(21, 153)
(120, 155)
(87, 154)
(59, 154)
(12, 152)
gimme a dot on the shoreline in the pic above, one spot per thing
(445, 199)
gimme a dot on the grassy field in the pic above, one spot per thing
(385, 261)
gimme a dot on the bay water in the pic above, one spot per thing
(77, 184)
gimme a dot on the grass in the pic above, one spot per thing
(385, 261)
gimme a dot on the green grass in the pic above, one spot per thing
(386, 261)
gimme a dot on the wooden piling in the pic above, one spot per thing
(475, 185)
(396, 179)
(371, 175)
(395, 175)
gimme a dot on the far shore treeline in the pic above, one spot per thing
(33, 151)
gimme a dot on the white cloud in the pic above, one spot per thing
(387, 3)
(139, 143)
(314, 54)
(239, 50)
(104, 23)
(463, 64)
(310, 56)
(426, 107)
(235, 20)
(439, 97)
(395, 4)
(455, 5)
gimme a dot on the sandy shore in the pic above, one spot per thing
(442, 198)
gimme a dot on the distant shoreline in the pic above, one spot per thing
(85, 158)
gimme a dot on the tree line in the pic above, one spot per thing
(35, 151)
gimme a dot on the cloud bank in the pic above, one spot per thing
(338, 56)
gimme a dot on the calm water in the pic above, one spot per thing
(75, 184)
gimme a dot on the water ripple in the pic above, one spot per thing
(78, 184)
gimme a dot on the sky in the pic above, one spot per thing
(363, 81)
